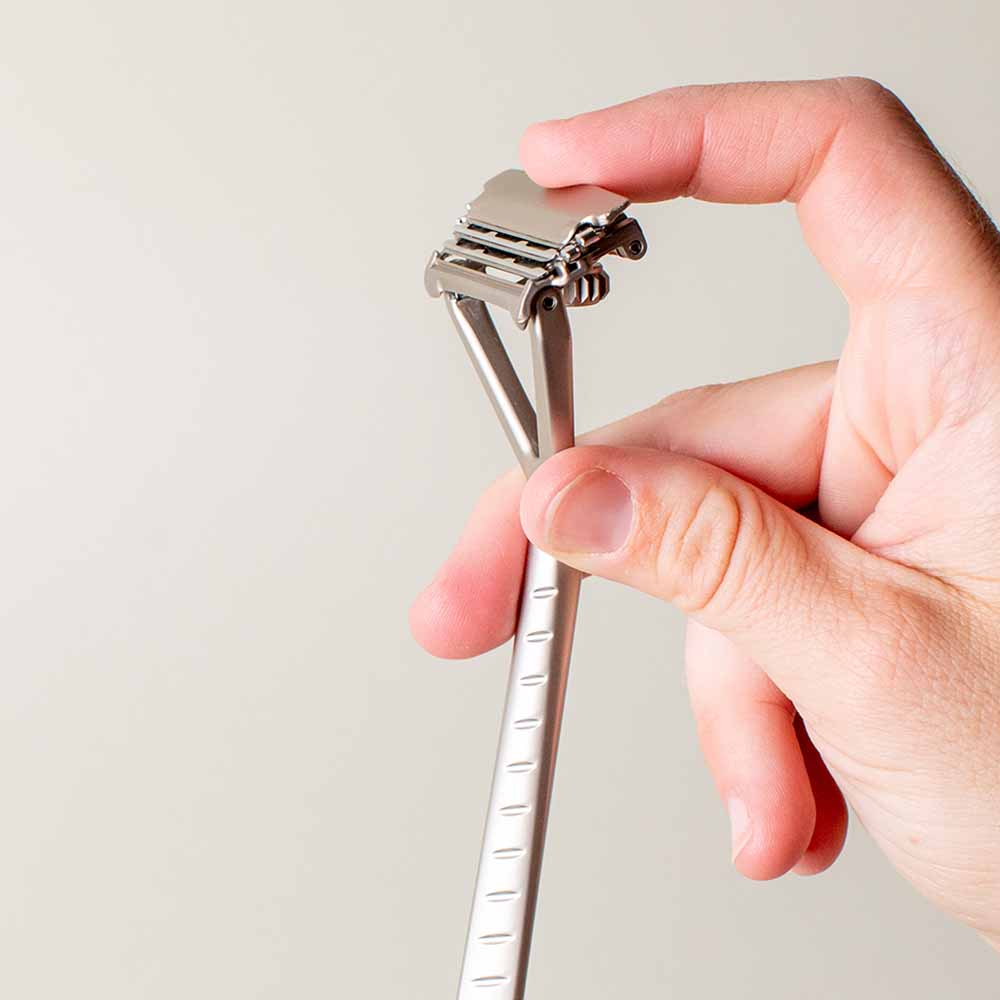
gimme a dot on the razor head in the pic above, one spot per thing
(513, 203)
(517, 239)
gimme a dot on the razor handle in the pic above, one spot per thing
(503, 908)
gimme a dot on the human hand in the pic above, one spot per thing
(857, 657)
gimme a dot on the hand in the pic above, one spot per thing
(857, 657)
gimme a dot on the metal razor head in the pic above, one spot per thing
(517, 239)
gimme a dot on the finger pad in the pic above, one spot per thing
(467, 610)
(545, 155)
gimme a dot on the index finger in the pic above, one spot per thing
(879, 206)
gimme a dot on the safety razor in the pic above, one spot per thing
(535, 253)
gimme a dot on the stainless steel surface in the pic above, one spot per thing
(497, 257)
(503, 906)
(488, 257)
(535, 253)
(503, 387)
(499, 939)
(522, 247)
(447, 277)
(552, 361)
(514, 203)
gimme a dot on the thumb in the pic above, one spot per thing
(808, 606)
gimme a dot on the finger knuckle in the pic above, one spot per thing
(871, 99)
(697, 397)
(865, 91)
(704, 550)
(862, 88)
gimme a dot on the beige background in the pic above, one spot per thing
(236, 437)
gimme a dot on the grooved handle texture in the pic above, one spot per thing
(503, 909)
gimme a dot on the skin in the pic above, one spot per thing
(853, 654)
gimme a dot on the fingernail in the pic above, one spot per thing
(740, 828)
(592, 514)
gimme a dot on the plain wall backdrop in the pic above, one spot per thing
(236, 437)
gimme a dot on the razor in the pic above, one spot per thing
(534, 253)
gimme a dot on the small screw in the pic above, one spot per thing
(549, 303)
(635, 248)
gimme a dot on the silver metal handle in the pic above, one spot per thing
(503, 909)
